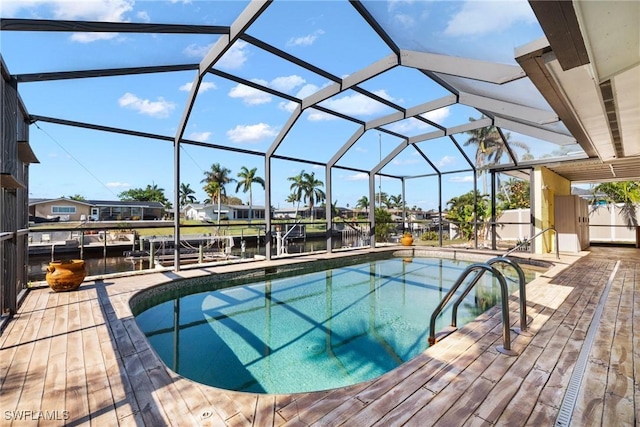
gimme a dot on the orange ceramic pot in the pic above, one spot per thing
(65, 275)
(406, 240)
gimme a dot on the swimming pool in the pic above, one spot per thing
(311, 332)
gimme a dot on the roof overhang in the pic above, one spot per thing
(588, 69)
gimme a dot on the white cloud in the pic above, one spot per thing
(204, 86)
(360, 176)
(109, 11)
(382, 93)
(286, 83)
(118, 184)
(143, 16)
(356, 104)
(200, 136)
(468, 178)
(197, 51)
(484, 17)
(393, 4)
(251, 133)
(446, 160)
(287, 106)
(159, 108)
(438, 115)
(404, 20)
(407, 126)
(91, 37)
(307, 40)
(310, 89)
(319, 116)
(249, 95)
(400, 162)
(233, 59)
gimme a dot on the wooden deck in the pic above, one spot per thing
(78, 358)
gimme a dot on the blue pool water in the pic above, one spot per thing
(311, 332)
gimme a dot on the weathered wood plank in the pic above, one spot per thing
(524, 401)
(144, 391)
(77, 402)
(99, 366)
(455, 403)
(126, 405)
(55, 385)
(265, 411)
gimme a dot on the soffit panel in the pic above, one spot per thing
(583, 96)
(594, 170)
(612, 34)
(627, 94)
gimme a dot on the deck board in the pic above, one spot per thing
(81, 352)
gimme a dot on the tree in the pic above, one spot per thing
(311, 190)
(150, 194)
(248, 177)
(461, 212)
(383, 226)
(212, 190)
(382, 199)
(362, 203)
(77, 197)
(514, 194)
(395, 202)
(625, 192)
(232, 200)
(297, 189)
(218, 175)
(490, 147)
(292, 198)
(186, 194)
(334, 208)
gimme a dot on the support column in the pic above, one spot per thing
(329, 211)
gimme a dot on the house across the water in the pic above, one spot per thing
(203, 212)
(64, 209)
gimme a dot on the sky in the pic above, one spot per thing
(327, 34)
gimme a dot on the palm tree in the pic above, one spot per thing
(311, 190)
(220, 176)
(382, 198)
(363, 203)
(490, 148)
(212, 190)
(625, 192)
(247, 178)
(395, 201)
(297, 189)
(292, 198)
(186, 194)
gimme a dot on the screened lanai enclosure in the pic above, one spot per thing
(426, 100)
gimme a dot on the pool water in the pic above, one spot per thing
(315, 331)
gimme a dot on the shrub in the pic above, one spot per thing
(384, 225)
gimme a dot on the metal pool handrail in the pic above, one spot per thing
(479, 270)
(521, 291)
(526, 241)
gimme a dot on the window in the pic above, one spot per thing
(63, 209)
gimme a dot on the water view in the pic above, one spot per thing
(117, 262)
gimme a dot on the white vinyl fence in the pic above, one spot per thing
(606, 225)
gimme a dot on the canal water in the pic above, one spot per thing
(115, 261)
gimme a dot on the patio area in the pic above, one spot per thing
(79, 358)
